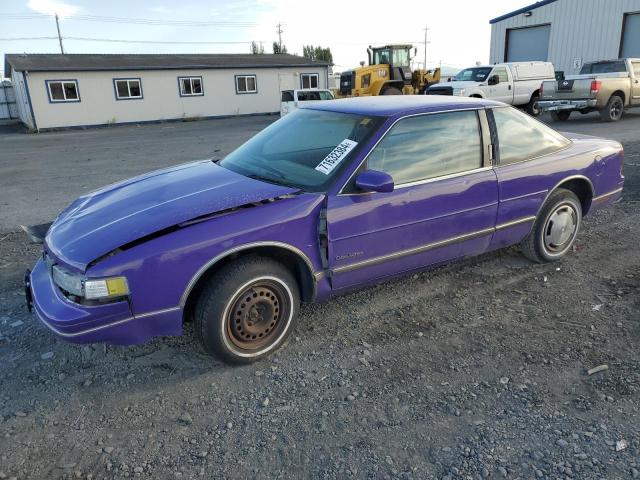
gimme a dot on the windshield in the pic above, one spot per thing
(618, 66)
(477, 74)
(397, 56)
(305, 149)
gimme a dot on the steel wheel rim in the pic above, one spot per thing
(560, 229)
(258, 315)
(616, 109)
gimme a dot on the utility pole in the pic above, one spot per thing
(426, 30)
(279, 31)
(59, 36)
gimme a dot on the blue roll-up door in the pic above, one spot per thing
(631, 36)
(526, 44)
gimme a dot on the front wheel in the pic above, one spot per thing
(247, 310)
(391, 91)
(555, 229)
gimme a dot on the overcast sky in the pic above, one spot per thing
(459, 30)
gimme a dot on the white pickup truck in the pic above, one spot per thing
(607, 86)
(515, 83)
(292, 99)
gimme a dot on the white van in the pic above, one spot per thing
(515, 83)
(292, 99)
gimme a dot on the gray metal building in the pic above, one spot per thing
(567, 33)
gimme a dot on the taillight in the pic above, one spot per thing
(595, 86)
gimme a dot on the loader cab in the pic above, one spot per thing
(398, 57)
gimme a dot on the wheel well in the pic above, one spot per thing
(620, 94)
(582, 189)
(475, 95)
(292, 261)
(535, 94)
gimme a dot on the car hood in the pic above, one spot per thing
(97, 223)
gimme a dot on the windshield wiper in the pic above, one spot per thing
(264, 178)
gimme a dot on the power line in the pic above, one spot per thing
(115, 40)
(136, 21)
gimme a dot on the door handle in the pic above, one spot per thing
(509, 87)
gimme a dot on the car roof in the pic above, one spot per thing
(393, 105)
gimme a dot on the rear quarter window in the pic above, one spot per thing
(520, 137)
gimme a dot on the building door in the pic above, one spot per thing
(630, 45)
(527, 44)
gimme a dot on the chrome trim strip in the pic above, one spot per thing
(102, 327)
(513, 223)
(572, 177)
(239, 248)
(443, 177)
(412, 251)
(431, 246)
(340, 192)
(603, 196)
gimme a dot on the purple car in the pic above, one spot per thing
(330, 198)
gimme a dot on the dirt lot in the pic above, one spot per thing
(474, 370)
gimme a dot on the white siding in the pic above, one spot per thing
(161, 99)
(581, 30)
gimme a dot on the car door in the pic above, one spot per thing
(502, 91)
(443, 206)
(635, 83)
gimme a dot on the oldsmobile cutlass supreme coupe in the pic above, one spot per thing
(330, 198)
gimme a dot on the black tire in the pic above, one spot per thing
(614, 109)
(560, 115)
(555, 229)
(247, 310)
(532, 107)
(391, 91)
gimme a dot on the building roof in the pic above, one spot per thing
(392, 105)
(528, 8)
(99, 62)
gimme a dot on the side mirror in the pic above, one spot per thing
(494, 80)
(374, 181)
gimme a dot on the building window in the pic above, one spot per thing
(63, 91)
(246, 84)
(309, 80)
(190, 86)
(128, 88)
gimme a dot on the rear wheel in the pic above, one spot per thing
(247, 310)
(391, 91)
(560, 115)
(614, 109)
(555, 229)
(532, 107)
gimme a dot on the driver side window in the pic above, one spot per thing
(429, 146)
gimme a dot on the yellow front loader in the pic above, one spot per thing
(388, 73)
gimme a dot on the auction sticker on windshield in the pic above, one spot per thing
(332, 160)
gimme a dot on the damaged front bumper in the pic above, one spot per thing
(111, 322)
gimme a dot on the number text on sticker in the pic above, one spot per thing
(332, 160)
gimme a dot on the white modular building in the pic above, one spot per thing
(82, 90)
(567, 33)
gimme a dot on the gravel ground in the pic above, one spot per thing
(474, 370)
